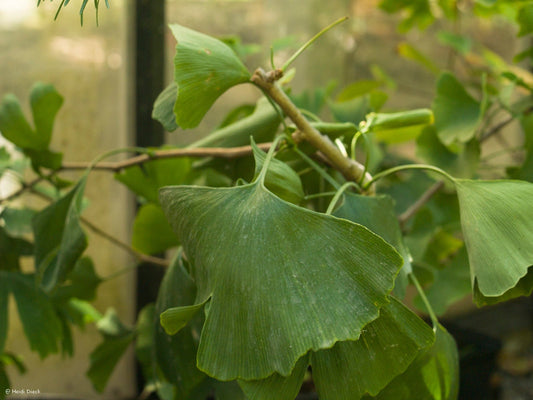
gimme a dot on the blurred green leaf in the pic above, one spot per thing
(457, 114)
(434, 374)
(82, 282)
(410, 52)
(462, 163)
(146, 180)
(460, 43)
(151, 230)
(204, 69)
(415, 12)
(354, 110)
(497, 221)
(17, 221)
(59, 239)
(163, 110)
(525, 20)
(257, 278)
(45, 103)
(385, 349)
(41, 324)
(357, 89)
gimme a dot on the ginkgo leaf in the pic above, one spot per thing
(434, 374)
(377, 214)
(279, 277)
(385, 349)
(280, 179)
(497, 221)
(457, 114)
(205, 68)
(277, 387)
(163, 110)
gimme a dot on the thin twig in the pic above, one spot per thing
(218, 152)
(418, 204)
(25, 186)
(497, 128)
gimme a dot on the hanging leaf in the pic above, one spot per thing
(434, 374)
(117, 339)
(41, 324)
(146, 180)
(314, 282)
(204, 69)
(385, 349)
(277, 387)
(59, 239)
(457, 114)
(280, 179)
(497, 221)
(163, 110)
(377, 214)
(176, 355)
(150, 219)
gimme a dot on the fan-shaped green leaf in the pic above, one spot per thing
(204, 69)
(457, 114)
(45, 103)
(277, 387)
(377, 214)
(497, 222)
(280, 179)
(149, 219)
(279, 277)
(384, 350)
(434, 374)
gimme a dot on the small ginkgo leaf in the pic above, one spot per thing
(434, 374)
(282, 279)
(163, 110)
(377, 214)
(176, 318)
(277, 387)
(385, 349)
(280, 179)
(205, 68)
(497, 222)
(457, 114)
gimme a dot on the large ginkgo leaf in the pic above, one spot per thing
(282, 279)
(497, 222)
(204, 69)
(385, 349)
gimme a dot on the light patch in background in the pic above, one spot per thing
(15, 12)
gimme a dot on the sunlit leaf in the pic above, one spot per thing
(384, 350)
(163, 110)
(311, 278)
(277, 387)
(204, 69)
(146, 180)
(377, 214)
(149, 220)
(280, 179)
(59, 239)
(497, 221)
(434, 374)
(457, 114)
